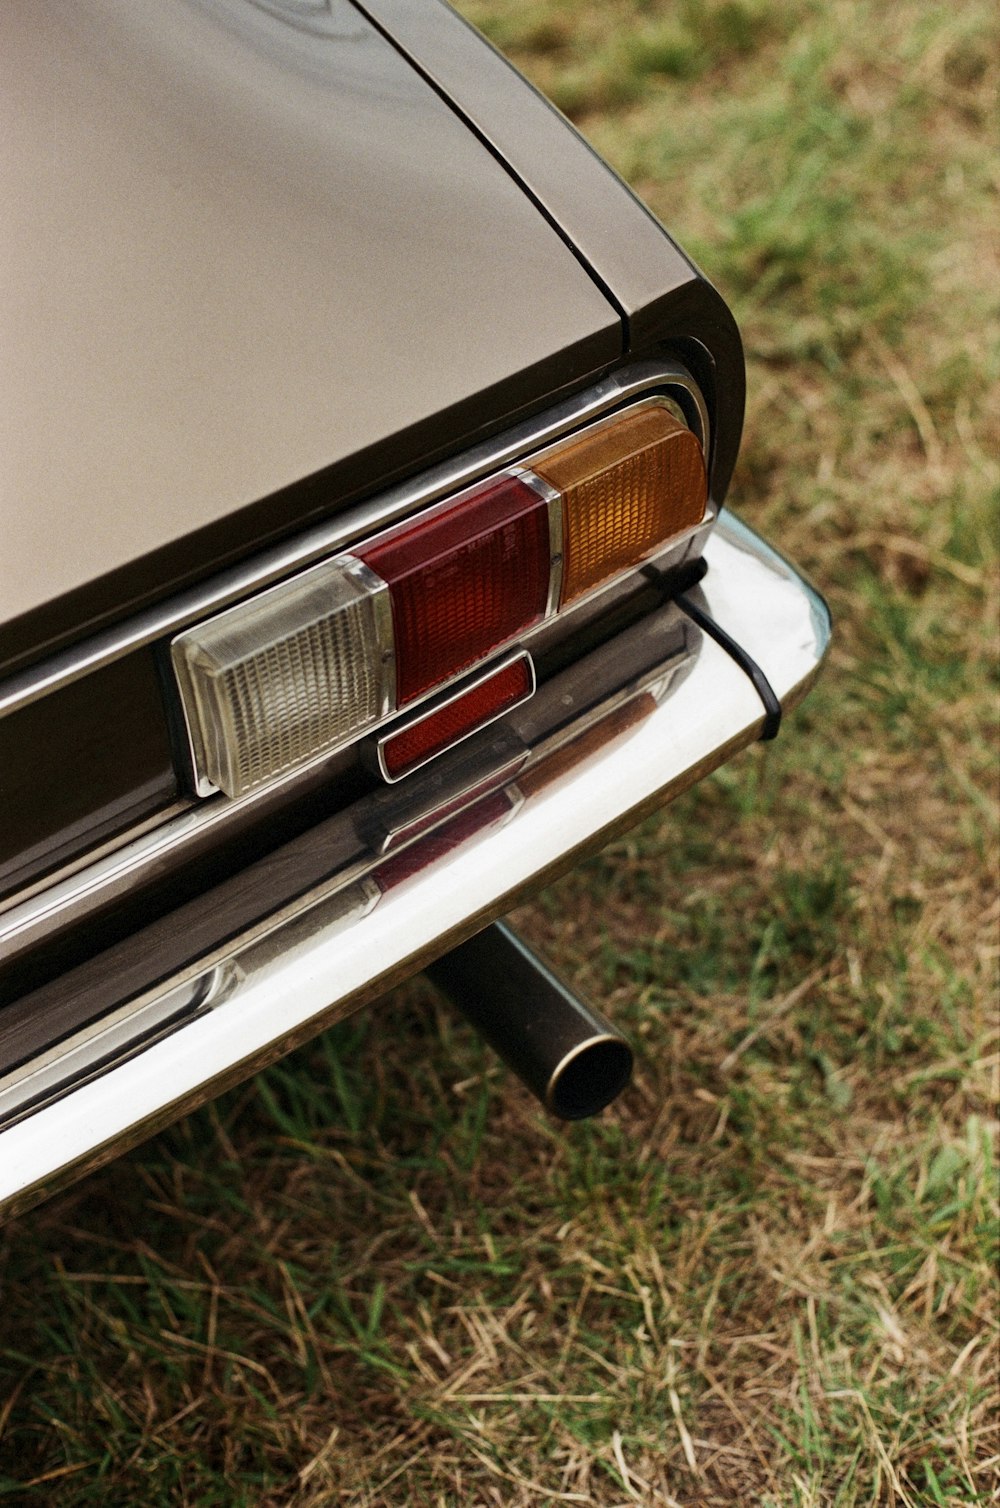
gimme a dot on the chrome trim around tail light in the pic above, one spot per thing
(335, 534)
(554, 502)
(304, 668)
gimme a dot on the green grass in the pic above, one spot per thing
(768, 1275)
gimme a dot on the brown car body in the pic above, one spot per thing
(273, 270)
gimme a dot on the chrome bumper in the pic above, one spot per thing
(654, 711)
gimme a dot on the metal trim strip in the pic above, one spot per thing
(553, 502)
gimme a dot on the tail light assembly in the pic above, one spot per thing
(324, 658)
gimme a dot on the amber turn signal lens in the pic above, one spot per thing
(629, 484)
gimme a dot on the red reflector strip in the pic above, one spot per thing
(405, 750)
(464, 581)
(595, 739)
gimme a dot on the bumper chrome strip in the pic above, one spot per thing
(365, 929)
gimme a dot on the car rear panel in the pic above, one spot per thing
(215, 990)
(101, 716)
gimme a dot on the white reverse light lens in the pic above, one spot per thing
(274, 682)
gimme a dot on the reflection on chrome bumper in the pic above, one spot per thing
(602, 743)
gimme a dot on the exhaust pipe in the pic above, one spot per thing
(567, 1054)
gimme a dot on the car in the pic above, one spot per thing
(365, 562)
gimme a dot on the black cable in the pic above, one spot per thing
(762, 686)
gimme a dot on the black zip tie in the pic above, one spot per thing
(749, 666)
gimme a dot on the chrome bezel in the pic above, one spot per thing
(553, 501)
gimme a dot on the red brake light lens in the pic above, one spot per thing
(463, 581)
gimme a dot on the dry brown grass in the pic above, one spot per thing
(769, 1274)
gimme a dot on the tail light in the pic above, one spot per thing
(314, 663)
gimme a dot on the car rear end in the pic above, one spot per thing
(365, 561)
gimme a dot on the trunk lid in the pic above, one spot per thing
(253, 267)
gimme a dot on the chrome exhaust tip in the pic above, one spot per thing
(566, 1053)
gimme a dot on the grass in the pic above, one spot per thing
(768, 1275)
